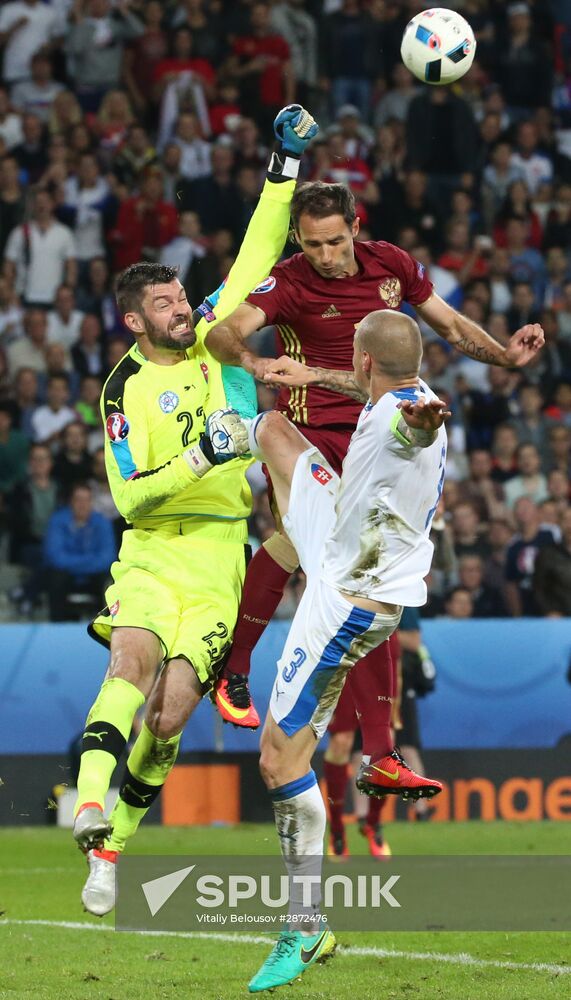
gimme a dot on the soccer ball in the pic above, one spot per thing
(438, 46)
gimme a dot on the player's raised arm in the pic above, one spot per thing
(262, 245)
(469, 338)
(418, 422)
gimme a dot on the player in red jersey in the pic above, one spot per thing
(316, 299)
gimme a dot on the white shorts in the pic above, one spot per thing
(328, 633)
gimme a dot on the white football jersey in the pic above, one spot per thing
(379, 547)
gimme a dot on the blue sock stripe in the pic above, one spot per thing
(294, 787)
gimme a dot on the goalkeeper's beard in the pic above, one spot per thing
(164, 339)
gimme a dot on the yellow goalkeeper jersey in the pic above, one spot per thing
(152, 413)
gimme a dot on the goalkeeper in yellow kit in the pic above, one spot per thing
(173, 441)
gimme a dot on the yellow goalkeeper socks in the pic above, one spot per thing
(106, 732)
(148, 767)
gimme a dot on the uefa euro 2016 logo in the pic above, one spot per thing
(117, 427)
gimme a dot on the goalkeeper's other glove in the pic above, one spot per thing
(295, 128)
(225, 437)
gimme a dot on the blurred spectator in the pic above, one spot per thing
(447, 287)
(185, 249)
(441, 139)
(25, 27)
(336, 167)
(37, 94)
(523, 309)
(64, 320)
(558, 489)
(484, 409)
(356, 135)
(558, 273)
(79, 548)
(96, 296)
(203, 19)
(88, 209)
(297, 26)
(535, 166)
(487, 601)
(560, 408)
(526, 264)
(11, 313)
(260, 62)
(468, 537)
(184, 60)
(87, 403)
(25, 399)
(517, 204)
(345, 49)
(87, 353)
(195, 152)
(499, 283)
(480, 489)
(412, 206)
(50, 419)
(72, 463)
(12, 202)
(95, 46)
(521, 555)
(142, 55)
(135, 154)
(459, 603)
(552, 575)
(10, 123)
(395, 103)
(13, 453)
(249, 151)
(558, 227)
(31, 152)
(438, 367)
(530, 481)
(559, 449)
(40, 255)
(145, 223)
(110, 125)
(32, 503)
(499, 536)
(498, 176)
(465, 259)
(29, 351)
(214, 197)
(65, 113)
(530, 425)
(523, 63)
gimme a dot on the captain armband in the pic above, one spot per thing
(411, 436)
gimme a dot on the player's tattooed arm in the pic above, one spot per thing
(469, 338)
(338, 381)
(286, 371)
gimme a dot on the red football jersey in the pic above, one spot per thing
(316, 319)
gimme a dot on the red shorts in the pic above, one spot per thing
(344, 719)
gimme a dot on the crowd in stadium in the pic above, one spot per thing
(138, 130)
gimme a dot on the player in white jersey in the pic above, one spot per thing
(362, 539)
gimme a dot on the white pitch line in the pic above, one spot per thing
(461, 958)
(33, 871)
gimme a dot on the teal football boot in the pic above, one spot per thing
(291, 956)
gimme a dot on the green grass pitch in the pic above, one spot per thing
(41, 875)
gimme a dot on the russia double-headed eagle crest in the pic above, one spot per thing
(390, 292)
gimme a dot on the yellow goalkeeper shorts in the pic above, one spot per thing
(182, 581)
